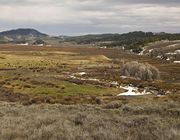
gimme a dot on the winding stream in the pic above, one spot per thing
(131, 90)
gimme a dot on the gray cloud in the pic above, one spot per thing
(91, 16)
(146, 1)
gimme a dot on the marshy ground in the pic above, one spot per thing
(86, 82)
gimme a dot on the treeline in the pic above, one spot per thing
(133, 40)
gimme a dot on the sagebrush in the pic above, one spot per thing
(87, 122)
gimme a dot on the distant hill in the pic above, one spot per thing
(22, 32)
(20, 35)
(133, 40)
(131, 36)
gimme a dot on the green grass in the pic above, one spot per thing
(66, 89)
(20, 66)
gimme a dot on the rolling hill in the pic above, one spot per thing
(20, 35)
(134, 41)
(22, 32)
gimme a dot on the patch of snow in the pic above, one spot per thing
(174, 53)
(103, 47)
(73, 77)
(92, 79)
(171, 53)
(40, 45)
(177, 62)
(142, 52)
(168, 59)
(132, 91)
(150, 50)
(159, 56)
(124, 77)
(84, 79)
(114, 83)
(23, 44)
(82, 73)
(177, 51)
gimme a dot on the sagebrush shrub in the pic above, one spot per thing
(142, 71)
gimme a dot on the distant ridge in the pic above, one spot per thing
(134, 41)
(22, 32)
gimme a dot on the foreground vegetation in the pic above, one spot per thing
(111, 121)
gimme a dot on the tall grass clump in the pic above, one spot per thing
(141, 71)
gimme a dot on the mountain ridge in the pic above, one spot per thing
(134, 41)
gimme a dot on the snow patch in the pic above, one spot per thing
(23, 44)
(92, 79)
(142, 52)
(132, 91)
(150, 50)
(114, 83)
(177, 51)
(73, 77)
(124, 77)
(82, 73)
(177, 62)
(84, 79)
(103, 47)
(159, 56)
(40, 45)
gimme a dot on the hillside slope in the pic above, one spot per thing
(22, 32)
(20, 35)
(132, 40)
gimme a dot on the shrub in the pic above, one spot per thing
(142, 71)
(113, 105)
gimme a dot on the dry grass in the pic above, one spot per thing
(43, 59)
(57, 122)
(37, 73)
(44, 71)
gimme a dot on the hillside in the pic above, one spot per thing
(132, 40)
(22, 32)
(165, 50)
(20, 35)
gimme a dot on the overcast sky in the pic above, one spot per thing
(76, 17)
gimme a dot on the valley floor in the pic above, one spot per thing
(71, 93)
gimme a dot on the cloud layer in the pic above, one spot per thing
(73, 17)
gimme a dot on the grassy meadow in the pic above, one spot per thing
(70, 93)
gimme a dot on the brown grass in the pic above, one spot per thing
(110, 118)
(57, 122)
